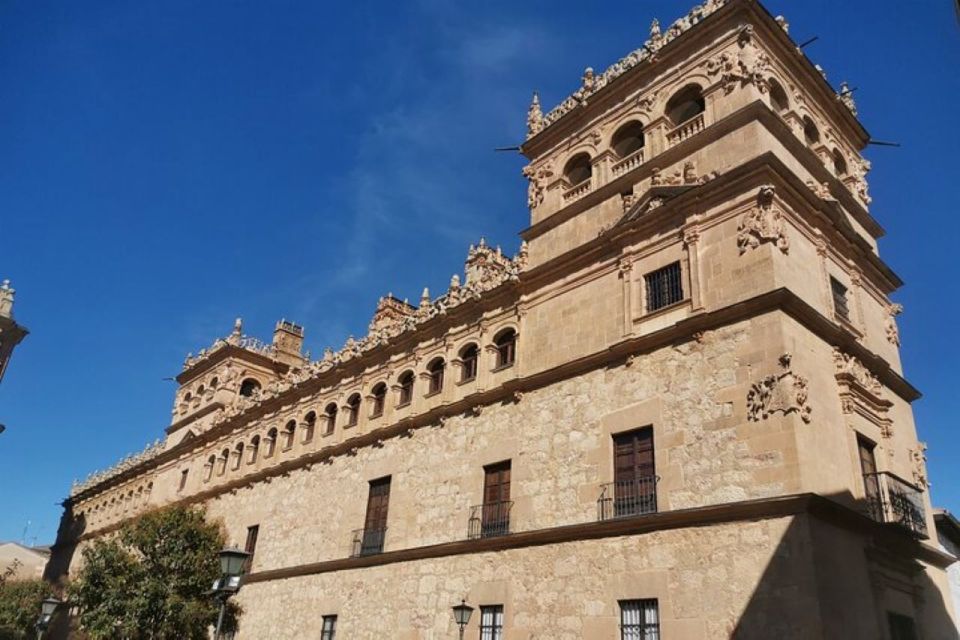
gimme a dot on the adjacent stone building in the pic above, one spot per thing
(678, 412)
(11, 333)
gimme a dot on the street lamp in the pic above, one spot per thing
(232, 563)
(47, 609)
(461, 615)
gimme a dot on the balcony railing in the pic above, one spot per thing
(578, 190)
(893, 500)
(367, 542)
(628, 498)
(685, 130)
(489, 520)
(633, 160)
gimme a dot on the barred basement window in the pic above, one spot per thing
(664, 287)
(639, 620)
(491, 622)
(839, 293)
(329, 631)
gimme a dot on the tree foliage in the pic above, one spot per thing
(152, 581)
(20, 606)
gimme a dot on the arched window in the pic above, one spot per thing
(331, 417)
(200, 390)
(839, 164)
(778, 97)
(406, 388)
(250, 388)
(289, 433)
(188, 397)
(379, 399)
(469, 358)
(208, 468)
(435, 371)
(224, 456)
(810, 132)
(506, 345)
(309, 426)
(353, 410)
(628, 139)
(271, 443)
(578, 169)
(238, 456)
(254, 449)
(686, 104)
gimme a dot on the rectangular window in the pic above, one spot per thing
(871, 481)
(634, 473)
(639, 620)
(901, 627)
(329, 628)
(250, 546)
(183, 479)
(664, 287)
(495, 519)
(491, 622)
(839, 293)
(375, 523)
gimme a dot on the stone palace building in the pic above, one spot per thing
(677, 413)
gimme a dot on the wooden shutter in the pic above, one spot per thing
(496, 483)
(633, 455)
(251, 546)
(377, 505)
(868, 466)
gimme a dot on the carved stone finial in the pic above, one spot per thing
(783, 23)
(454, 282)
(425, 298)
(534, 116)
(845, 95)
(6, 299)
(689, 172)
(655, 178)
(655, 29)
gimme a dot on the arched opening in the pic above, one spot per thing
(406, 388)
(200, 391)
(839, 164)
(810, 132)
(628, 139)
(578, 169)
(505, 343)
(469, 359)
(224, 456)
(214, 382)
(778, 97)
(289, 433)
(685, 104)
(353, 410)
(331, 417)
(271, 444)
(254, 449)
(208, 468)
(309, 426)
(435, 373)
(250, 388)
(238, 456)
(379, 400)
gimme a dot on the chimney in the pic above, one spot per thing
(288, 342)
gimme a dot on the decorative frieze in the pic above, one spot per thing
(861, 392)
(763, 223)
(783, 393)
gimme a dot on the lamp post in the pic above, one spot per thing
(232, 562)
(47, 608)
(461, 615)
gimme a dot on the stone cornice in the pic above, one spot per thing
(815, 505)
(229, 351)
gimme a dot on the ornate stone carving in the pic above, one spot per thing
(821, 190)
(893, 333)
(656, 179)
(748, 66)
(918, 458)
(783, 23)
(647, 102)
(861, 167)
(534, 116)
(845, 95)
(783, 393)
(149, 452)
(626, 201)
(537, 183)
(763, 223)
(850, 366)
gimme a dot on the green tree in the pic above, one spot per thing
(152, 582)
(20, 606)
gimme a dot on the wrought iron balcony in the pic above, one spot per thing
(489, 520)
(368, 542)
(628, 498)
(893, 500)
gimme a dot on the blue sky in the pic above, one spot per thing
(169, 165)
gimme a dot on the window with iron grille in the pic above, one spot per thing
(639, 620)
(664, 287)
(839, 298)
(329, 631)
(491, 622)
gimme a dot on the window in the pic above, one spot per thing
(375, 522)
(778, 97)
(379, 399)
(634, 473)
(435, 371)
(331, 418)
(578, 169)
(271, 443)
(237, 456)
(664, 287)
(406, 388)
(309, 426)
(224, 455)
(839, 293)
(289, 434)
(329, 631)
(686, 104)
(250, 388)
(639, 620)
(871, 481)
(901, 627)
(495, 517)
(183, 479)
(505, 343)
(491, 622)
(254, 449)
(469, 357)
(353, 410)
(628, 139)
(810, 132)
(250, 546)
(208, 470)
(839, 164)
